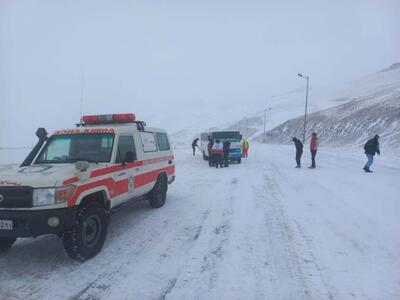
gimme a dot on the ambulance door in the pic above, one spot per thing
(126, 157)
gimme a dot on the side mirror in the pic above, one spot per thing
(82, 166)
(129, 157)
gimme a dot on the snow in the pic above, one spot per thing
(258, 230)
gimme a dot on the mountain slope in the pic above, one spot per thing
(248, 115)
(351, 123)
(371, 106)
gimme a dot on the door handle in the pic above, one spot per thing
(122, 174)
(170, 162)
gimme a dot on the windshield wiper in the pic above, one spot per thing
(75, 159)
(65, 160)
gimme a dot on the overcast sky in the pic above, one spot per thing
(163, 56)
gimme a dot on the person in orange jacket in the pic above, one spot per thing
(313, 149)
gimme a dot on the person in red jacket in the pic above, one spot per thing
(217, 152)
(313, 149)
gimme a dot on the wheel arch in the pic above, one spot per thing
(99, 196)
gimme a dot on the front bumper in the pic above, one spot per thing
(235, 155)
(32, 223)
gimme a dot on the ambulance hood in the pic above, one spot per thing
(46, 175)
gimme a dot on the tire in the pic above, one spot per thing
(158, 194)
(86, 238)
(6, 243)
(239, 160)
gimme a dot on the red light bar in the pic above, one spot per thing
(124, 117)
(90, 119)
(104, 119)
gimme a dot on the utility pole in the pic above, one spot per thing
(305, 111)
(265, 122)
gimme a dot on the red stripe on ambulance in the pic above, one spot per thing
(116, 188)
(145, 178)
(112, 169)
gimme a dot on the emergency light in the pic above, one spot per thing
(104, 119)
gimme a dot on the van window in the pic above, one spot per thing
(125, 144)
(148, 141)
(162, 140)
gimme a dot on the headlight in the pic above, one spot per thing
(52, 196)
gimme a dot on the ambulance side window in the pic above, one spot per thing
(148, 141)
(162, 141)
(125, 144)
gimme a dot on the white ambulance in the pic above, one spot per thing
(71, 181)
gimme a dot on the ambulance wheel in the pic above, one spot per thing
(239, 160)
(159, 193)
(86, 238)
(6, 243)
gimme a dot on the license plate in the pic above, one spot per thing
(6, 225)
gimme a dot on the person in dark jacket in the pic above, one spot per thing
(194, 145)
(210, 156)
(299, 151)
(225, 147)
(371, 147)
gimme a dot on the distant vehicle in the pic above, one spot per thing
(235, 152)
(71, 181)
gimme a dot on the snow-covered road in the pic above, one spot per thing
(259, 230)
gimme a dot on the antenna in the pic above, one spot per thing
(82, 89)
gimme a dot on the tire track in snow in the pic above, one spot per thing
(288, 278)
(177, 244)
(308, 269)
(200, 271)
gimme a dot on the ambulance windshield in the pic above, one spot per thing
(75, 147)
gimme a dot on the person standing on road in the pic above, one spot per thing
(194, 145)
(225, 147)
(210, 155)
(217, 152)
(371, 147)
(299, 151)
(313, 149)
(245, 147)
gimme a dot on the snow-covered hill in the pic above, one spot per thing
(372, 106)
(249, 115)
(351, 123)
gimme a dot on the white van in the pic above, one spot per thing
(235, 152)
